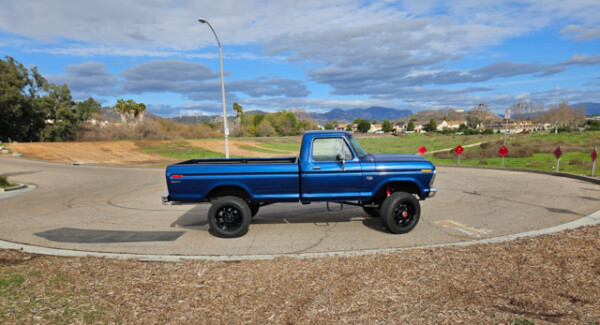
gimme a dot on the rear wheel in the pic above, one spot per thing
(400, 212)
(229, 217)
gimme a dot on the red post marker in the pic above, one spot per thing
(594, 155)
(503, 151)
(459, 150)
(422, 150)
(557, 153)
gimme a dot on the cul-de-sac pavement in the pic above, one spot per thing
(94, 208)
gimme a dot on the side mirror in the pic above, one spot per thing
(341, 157)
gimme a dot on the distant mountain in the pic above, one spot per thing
(590, 108)
(426, 115)
(110, 114)
(378, 113)
(374, 112)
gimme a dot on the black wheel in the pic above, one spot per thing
(253, 209)
(229, 217)
(373, 212)
(400, 212)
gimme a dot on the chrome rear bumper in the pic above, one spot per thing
(165, 199)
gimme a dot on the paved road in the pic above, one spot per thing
(118, 210)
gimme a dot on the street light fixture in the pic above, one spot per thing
(225, 129)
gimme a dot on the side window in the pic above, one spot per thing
(327, 149)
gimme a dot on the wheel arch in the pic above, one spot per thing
(392, 186)
(228, 190)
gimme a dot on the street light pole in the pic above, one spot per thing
(225, 129)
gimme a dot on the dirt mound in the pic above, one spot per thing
(552, 279)
(129, 153)
(107, 153)
(240, 148)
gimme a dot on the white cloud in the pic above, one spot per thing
(86, 79)
(580, 33)
(382, 51)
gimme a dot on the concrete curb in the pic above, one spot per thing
(592, 219)
(14, 188)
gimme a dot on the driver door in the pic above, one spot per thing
(333, 172)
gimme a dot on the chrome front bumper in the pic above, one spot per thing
(432, 192)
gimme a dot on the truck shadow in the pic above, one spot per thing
(277, 214)
(193, 219)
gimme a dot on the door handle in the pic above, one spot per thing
(316, 167)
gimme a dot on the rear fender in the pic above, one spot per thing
(220, 190)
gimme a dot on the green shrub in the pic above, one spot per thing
(4, 182)
(575, 161)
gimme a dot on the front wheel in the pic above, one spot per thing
(229, 217)
(400, 212)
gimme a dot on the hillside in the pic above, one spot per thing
(110, 114)
(590, 108)
(374, 112)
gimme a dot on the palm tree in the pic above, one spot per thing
(131, 107)
(121, 108)
(238, 113)
(140, 111)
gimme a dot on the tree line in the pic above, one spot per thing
(33, 109)
(561, 116)
(282, 123)
(362, 125)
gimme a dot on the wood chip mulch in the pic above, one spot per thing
(550, 279)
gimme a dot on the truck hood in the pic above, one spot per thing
(397, 157)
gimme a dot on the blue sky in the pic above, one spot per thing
(315, 55)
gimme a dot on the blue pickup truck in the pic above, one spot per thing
(332, 167)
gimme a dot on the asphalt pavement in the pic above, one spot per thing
(117, 210)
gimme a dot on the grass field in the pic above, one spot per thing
(526, 151)
(180, 150)
(531, 151)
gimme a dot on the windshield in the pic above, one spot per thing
(357, 148)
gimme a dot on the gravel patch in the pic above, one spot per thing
(549, 279)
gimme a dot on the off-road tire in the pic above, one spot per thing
(400, 212)
(229, 217)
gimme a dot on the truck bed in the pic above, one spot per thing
(265, 180)
(235, 161)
